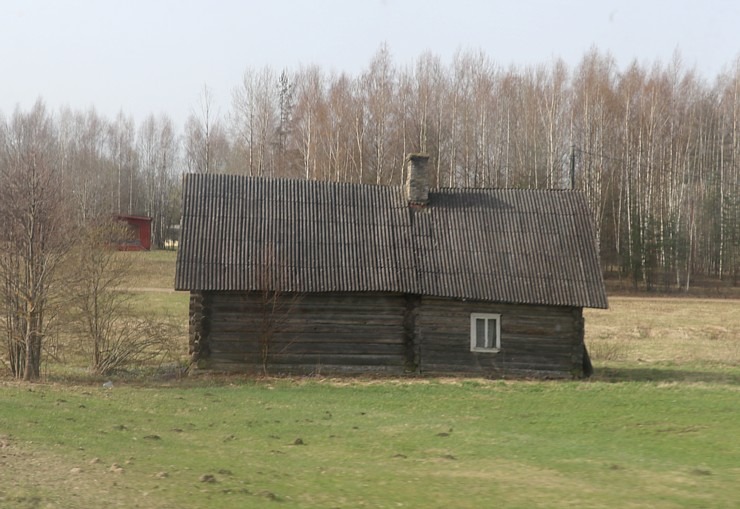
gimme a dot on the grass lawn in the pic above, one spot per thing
(355, 443)
(656, 427)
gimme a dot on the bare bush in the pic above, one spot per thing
(129, 342)
(101, 312)
(275, 307)
(608, 350)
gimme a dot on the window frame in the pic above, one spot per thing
(487, 317)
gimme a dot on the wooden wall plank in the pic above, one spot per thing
(332, 330)
(387, 333)
(533, 338)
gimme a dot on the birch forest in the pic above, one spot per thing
(655, 148)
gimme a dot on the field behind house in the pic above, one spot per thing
(655, 427)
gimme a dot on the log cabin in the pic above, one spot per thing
(315, 277)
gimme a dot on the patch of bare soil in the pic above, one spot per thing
(31, 479)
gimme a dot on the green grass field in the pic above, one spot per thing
(656, 427)
(369, 443)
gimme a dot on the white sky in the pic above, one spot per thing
(152, 56)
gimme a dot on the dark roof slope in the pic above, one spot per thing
(512, 245)
(242, 233)
(507, 245)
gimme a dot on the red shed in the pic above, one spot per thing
(141, 233)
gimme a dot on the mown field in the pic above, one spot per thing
(656, 427)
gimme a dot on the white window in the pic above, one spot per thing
(485, 332)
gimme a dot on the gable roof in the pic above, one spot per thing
(504, 245)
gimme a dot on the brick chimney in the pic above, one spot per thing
(417, 179)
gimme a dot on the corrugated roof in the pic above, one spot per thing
(506, 245)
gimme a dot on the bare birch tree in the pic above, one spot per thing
(206, 144)
(34, 237)
(255, 121)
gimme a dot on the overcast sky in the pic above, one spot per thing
(153, 56)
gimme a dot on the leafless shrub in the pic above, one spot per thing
(100, 311)
(608, 350)
(131, 341)
(275, 306)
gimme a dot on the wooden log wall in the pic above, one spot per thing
(308, 333)
(378, 333)
(543, 341)
(198, 326)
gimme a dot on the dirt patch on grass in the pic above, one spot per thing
(31, 478)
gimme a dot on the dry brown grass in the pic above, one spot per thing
(674, 331)
(152, 269)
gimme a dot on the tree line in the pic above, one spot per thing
(656, 149)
